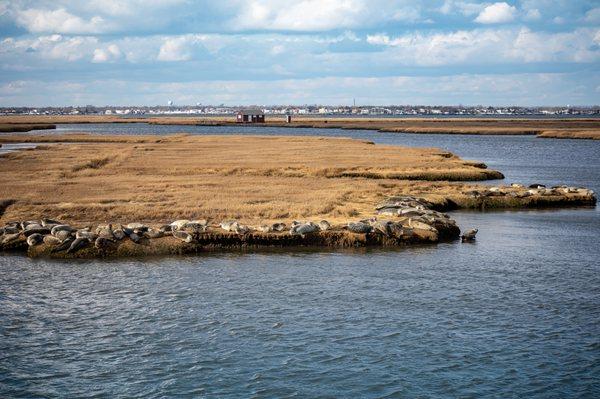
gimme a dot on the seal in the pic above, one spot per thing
(179, 224)
(51, 240)
(228, 225)
(359, 227)
(78, 244)
(303, 229)
(324, 225)
(469, 235)
(34, 239)
(183, 236)
(278, 227)
(66, 244)
(102, 243)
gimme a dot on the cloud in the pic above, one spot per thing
(59, 21)
(320, 15)
(187, 47)
(109, 54)
(176, 49)
(533, 15)
(488, 46)
(469, 89)
(463, 7)
(303, 15)
(593, 16)
(497, 13)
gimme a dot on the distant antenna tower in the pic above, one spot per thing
(354, 102)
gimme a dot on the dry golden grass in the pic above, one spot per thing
(84, 178)
(23, 127)
(571, 134)
(560, 128)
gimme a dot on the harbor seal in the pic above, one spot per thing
(304, 228)
(324, 225)
(135, 237)
(102, 243)
(78, 244)
(359, 227)
(278, 227)
(66, 244)
(137, 226)
(153, 233)
(119, 234)
(228, 225)
(469, 235)
(179, 224)
(34, 239)
(51, 240)
(48, 222)
(241, 229)
(62, 227)
(183, 236)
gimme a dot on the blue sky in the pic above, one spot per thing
(147, 52)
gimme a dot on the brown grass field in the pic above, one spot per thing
(548, 128)
(86, 178)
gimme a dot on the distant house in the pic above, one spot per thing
(253, 115)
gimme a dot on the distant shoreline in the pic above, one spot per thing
(574, 128)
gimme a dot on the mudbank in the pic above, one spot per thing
(400, 221)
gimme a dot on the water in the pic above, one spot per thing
(516, 314)
(10, 147)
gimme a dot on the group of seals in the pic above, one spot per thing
(517, 190)
(412, 220)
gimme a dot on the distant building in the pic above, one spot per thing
(253, 115)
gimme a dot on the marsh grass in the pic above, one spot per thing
(93, 164)
(252, 178)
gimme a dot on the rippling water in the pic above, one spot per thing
(516, 314)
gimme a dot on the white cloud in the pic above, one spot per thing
(320, 15)
(497, 13)
(109, 54)
(59, 21)
(502, 89)
(463, 7)
(533, 15)
(304, 15)
(488, 46)
(175, 49)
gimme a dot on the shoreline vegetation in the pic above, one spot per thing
(574, 128)
(369, 195)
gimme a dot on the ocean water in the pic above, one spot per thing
(515, 314)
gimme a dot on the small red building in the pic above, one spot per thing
(253, 115)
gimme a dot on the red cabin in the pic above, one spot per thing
(254, 115)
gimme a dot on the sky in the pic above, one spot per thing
(265, 52)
